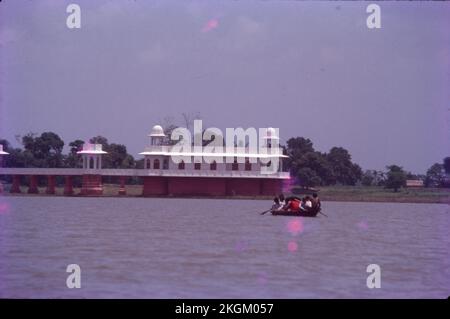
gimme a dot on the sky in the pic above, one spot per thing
(311, 69)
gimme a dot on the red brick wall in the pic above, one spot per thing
(208, 186)
(154, 185)
(243, 186)
(271, 186)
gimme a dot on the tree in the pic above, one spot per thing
(44, 150)
(396, 177)
(334, 167)
(379, 178)
(447, 165)
(296, 149)
(117, 156)
(344, 171)
(368, 178)
(307, 177)
(435, 176)
(73, 159)
(5, 143)
(298, 146)
(189, 118)
(99, 140)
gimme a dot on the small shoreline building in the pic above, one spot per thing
(91, 155)
(237, 173)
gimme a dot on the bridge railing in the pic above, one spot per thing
(139, 172)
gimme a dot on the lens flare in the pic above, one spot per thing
(210, 25)
(295, 226)
(4, 208)
(292, 246)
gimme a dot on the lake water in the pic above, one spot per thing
(199, 248)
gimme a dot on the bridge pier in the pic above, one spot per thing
(51, 182)
(15, 186)
(33, 187)
(92, 185)
(68, 186)
(122, 190)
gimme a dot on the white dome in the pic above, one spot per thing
(271, 133)
(2, 152)
(157, 130)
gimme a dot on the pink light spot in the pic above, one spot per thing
(362, 225)
(292, 246)
(210, 25)
(4, 208)
(295, 226)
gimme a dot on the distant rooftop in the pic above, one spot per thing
(2, 152)
(89, 148)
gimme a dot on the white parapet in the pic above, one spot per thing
(140, 172)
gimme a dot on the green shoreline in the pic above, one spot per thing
(329, 193)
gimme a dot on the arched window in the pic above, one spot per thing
(248, 165)
(181, 165)
(156, 164)
(148, 165)
(213, 166)
(235, 165)
(166, 164)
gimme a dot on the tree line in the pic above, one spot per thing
(46, 150)
(308, 167)
(312, 168)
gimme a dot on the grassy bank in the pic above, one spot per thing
(329, 193)
(380, 194)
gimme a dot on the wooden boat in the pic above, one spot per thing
(299, 213)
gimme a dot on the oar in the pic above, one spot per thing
(323, 213)
(265, 212)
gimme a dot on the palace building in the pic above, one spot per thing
(232, 173)
(169, 172)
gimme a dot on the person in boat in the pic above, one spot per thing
(277, 204)
(316, 205)
(282, 199)
(293, 205)
(306, 203)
